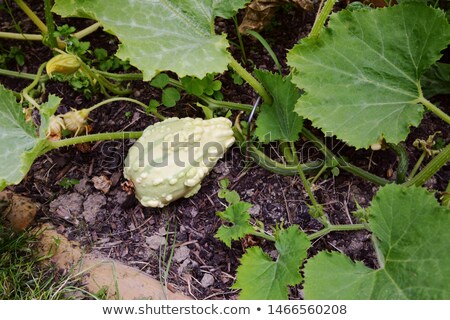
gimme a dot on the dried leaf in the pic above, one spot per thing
(102, 183)
(259, 12)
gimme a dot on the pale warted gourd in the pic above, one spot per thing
(172, 157)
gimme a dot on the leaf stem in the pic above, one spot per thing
(91, 138)
(214, 104)
(50, 36)
(378, 253)
(121, 76)
(343, 164)
(155, 113)
(417, 165)
(267, 163)
(32, 85)
(431, 168)
(22, 75)
(250, 80)
(430, 106)
(321, 18)
(332, 228)
(403, 162)
(263, 235)
(21, 36)
(318, 210)
(87, 31)
(30, 13)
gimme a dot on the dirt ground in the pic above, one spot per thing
(114, 223)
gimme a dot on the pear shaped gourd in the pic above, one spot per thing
(172, 157)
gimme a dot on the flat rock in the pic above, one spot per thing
(120, 281)
(207, 280)
(181, 254)
(67, 206)
(93, 206)
(154, 242)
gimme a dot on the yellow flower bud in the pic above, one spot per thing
(63, 63)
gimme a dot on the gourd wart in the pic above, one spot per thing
(172, 157)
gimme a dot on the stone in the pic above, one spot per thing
(67, 206)
(207, 280)
(181, 254)
(255, 210)
(93, 206)
(154, 242)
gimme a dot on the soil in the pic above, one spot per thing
(99, 214)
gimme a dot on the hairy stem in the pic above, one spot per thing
(321, 18)
(417, 165)
(263, 235)
(30, 13)
(154, 112)
(51, 39)
(32, 85)
(21, 36)
(332, 227)
(403, 162)
(431, 168)
(430, 106)
(87, 31)
(343, 164)
(91, 138)
(22, 75)
(250, 80)
(318, 210)
(267, 163)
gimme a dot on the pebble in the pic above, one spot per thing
(154, 242)
(93, 206)
(207, 280)
(181, 254)
(67, 206)
(255, 210)
(83, 187)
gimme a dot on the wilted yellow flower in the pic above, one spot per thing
(65, 63)
(55, 127)
(76, 121)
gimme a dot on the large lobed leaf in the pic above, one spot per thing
(412, 232)
(175, 35)
(261, 278)
(278, 121)
(17, 140)
(361, 75)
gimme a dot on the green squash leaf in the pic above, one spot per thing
(361, 76)
(238, 215)
(278, 121)
(259, 277)
(175, 35)
(19, 143)
(436, 80)
(412, 232)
